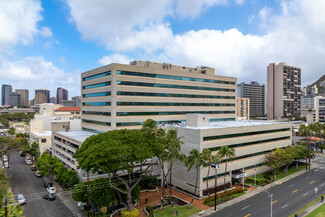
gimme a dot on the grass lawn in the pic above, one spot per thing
(182, 211)
(224, 199)
(319, 212)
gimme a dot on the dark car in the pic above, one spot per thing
(22, 154)
(49, 197)
(48, 184)
(33, 168)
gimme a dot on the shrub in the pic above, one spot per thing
(126, 213)
(233, 191)
(150, 211)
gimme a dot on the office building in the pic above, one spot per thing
(256, 94)
(6, 90)
(77, 100)
(243, 108)
(252, 140)
(283, 91)
(118, 96)
(24, 96)
(42, 96)
(14, 99)
(73, 112)
(53, 100)
(69, 103)
(61, 94)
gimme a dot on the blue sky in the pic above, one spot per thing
(47, 44)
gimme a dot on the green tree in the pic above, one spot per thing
(209, 158)
(274, 160)
(79, 192)
(11, 131)
(33, 151)
(47, 164)
(306, 131)
(228, 154)
(118, 151)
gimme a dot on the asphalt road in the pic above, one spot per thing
(24, 181)
(288, 197)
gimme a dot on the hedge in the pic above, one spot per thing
(233, 191)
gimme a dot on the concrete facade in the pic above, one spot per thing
(319, 109)
(41, 96)
(283, 91)
(243, 108)
(24, 96)
(120, 96)
(256, 93)
(6, 90)
(250, 139)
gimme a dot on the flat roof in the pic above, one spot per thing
(77, 135)
(229, 124)
(44, 133)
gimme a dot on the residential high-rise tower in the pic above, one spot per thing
(61, 94)
(6, 90)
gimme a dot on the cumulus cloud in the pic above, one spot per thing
(115, 58)
(239, 2)
(18, 22)
(192, 8)
(36, 73)
(293, 35)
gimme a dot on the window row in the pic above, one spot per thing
(172, 104)
(171, 95)
(97, 76)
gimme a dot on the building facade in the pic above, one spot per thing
(41, 96)
(256, 94)
(77, 100)
(319, 109)
(73, 112)
(120, 96)
(6, 90)
(53, 100)
(14, 99)
(243, 108)
(250, 139)
(61, 94)
(24, 96)
(284, 91)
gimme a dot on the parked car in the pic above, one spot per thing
(4, 158)
(6, 164)
(37, 173)
(51, 190)
(48, 184)
(22, 154)
(28, 161)
(33, 168)
(21, 199)
(49, 197)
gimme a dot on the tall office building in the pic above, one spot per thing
(243, 108)
(120, 96)
(61, 94)
(6, 90)
(24, 96)
(42, 96)
(256, 94)
(283, 91)
(14, 99)
(53, 100)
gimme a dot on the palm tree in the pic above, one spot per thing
(195, 159)
(228, 154)
(207, 156)
(305, 131)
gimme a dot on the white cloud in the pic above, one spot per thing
(192, 8)
(18, 22)
(36, 73)
(293, 35)
(115, 58)
(239, 2)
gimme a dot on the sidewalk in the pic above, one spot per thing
(252, 193)
(66, 198)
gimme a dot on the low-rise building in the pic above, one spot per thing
(250, 139)
(73, 112)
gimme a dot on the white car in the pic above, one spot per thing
(28, 161)
(6, 164)
(21, 199)
(51, 190)
(4, 158)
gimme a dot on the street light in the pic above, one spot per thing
(270, 195)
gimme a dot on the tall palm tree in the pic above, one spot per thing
(207, 156)
(195, 159)
(306, 132)
(228, 154)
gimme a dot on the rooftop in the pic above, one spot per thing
(43, 134)
(65, 109)
(77, 135)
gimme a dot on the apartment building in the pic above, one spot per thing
(319, 115)
(243, 108)
(119, 96)
(250, 139)
(284, 91)
(256, 94)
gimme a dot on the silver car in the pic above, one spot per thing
(21, 199)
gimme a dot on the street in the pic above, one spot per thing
(24, 181)
(288, 197)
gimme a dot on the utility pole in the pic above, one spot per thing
(6, 208)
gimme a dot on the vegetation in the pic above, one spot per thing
(182, 211)
(117, 151)
(306, 206)
(19, 116)
(11, 131)
(318, 212)
(224, 196)
(229, 154)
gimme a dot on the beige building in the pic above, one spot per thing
(48, 108)
(73, 112)
(120, 96)
(250, 139)
(319, 104)
(24, 96)
(41, 96)
(243, 106)
(283, 91)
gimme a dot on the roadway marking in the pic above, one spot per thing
(274, 201)
(290, 186)
(295, 191)
(307, 177)
(245, 207)
(247, 215)
(322, 184)
(285, 206)
(311, 182)
(305, 194)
